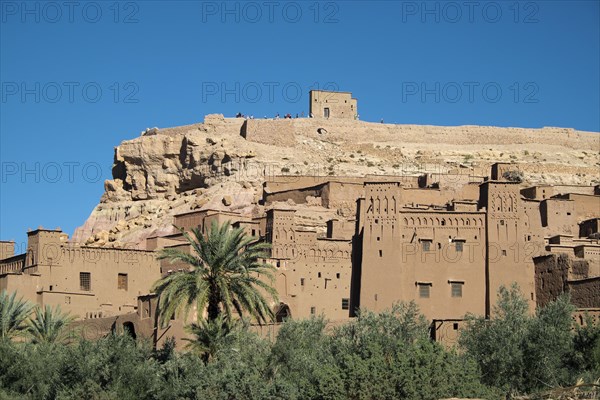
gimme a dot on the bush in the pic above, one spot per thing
(386, 355)
(519, 353)
(513, 176)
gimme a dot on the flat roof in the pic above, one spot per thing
(498, 181)
(329, 91)
(207, 210)
(43, 230)
(440, 212)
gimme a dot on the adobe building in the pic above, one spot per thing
(105, 289)
(328, 104)
(445, 240)
(450, 257)
(88, 282)
(314, 273)
(434, 257)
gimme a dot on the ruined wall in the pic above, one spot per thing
(556, 274)
(551, 275)
(588, 227)
(298, 196)
(342, 196)
(585, 292)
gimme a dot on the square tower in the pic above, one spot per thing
(326, 104)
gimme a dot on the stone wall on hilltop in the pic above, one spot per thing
(172, 170)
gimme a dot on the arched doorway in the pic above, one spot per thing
(129, 329)
(283, 312)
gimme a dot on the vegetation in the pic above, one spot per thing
(210, 336)
(514, 176)
(20, 319)
(225, 277)
(13, 315)
(49, 325)
(376, 356)
(520, 353)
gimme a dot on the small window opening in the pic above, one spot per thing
(345, 304)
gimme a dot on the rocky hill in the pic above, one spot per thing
(222, 163)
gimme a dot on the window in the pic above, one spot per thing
(319, 274)
(122, 281)
(455, 326)
(424, 290)
(459, 245)
(345, 304)
(67, 299)
(85, 279)
(426, 245)
(380, 253)
(301, 281)
(503, 252)
(337, 275)
(313, 310)
(456, 289)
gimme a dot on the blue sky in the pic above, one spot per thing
(78, 78)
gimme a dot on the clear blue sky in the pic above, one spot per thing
(78, 78)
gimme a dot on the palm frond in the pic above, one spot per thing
(225, 276)
(49, 325)
(13, 315)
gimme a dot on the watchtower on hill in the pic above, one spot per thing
(326, 104)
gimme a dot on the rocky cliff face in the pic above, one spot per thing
(221, 164)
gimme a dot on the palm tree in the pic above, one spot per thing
(210, 337)
(225, 277)
(13, 315)
(49, 325)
